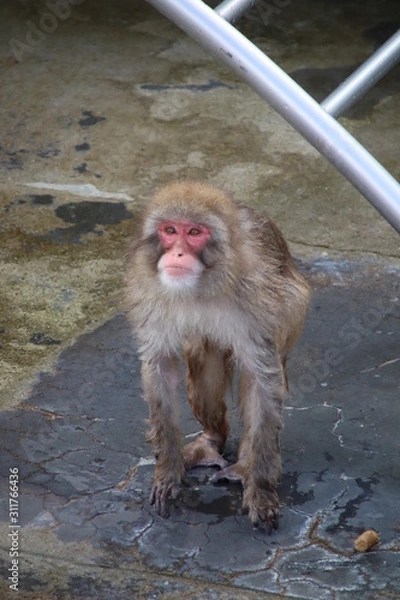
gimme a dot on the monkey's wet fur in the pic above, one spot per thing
(212, 280)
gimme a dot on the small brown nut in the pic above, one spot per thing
(366, 541)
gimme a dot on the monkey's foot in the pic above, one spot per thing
(203, 452)
(262, 506)
(234, 473)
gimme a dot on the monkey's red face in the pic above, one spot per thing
(182, 241)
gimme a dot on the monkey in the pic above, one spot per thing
(210, 280)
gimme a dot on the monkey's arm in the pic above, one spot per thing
(260, 498)
(160, 383)
(261, 391)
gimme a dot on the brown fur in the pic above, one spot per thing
(247, 312)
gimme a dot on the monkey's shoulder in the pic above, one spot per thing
(255, 223)
(264, 236)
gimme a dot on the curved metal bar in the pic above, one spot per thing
(364, 78)
(290, 101)
(232, 10)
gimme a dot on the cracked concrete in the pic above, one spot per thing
(98, 107)
(85, 470)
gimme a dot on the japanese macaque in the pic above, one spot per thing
(210, 278)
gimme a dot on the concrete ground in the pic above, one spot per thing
(100, 103)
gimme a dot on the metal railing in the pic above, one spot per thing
(211, 29)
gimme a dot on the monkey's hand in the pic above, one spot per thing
(262, 505)
(166, 486)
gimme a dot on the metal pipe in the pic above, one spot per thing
(364, 78)
(290, 101)
(232, 10)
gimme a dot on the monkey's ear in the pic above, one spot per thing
(246, 220)
(151, 221)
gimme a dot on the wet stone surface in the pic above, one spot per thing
(98, 109)
(85, 470)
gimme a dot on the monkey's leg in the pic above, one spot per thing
(160, 383)
(259, 463)
(238, 471)
(208, 375)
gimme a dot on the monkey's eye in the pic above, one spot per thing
(170, 230)
(194, 231)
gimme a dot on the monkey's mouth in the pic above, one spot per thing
(177, 271)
